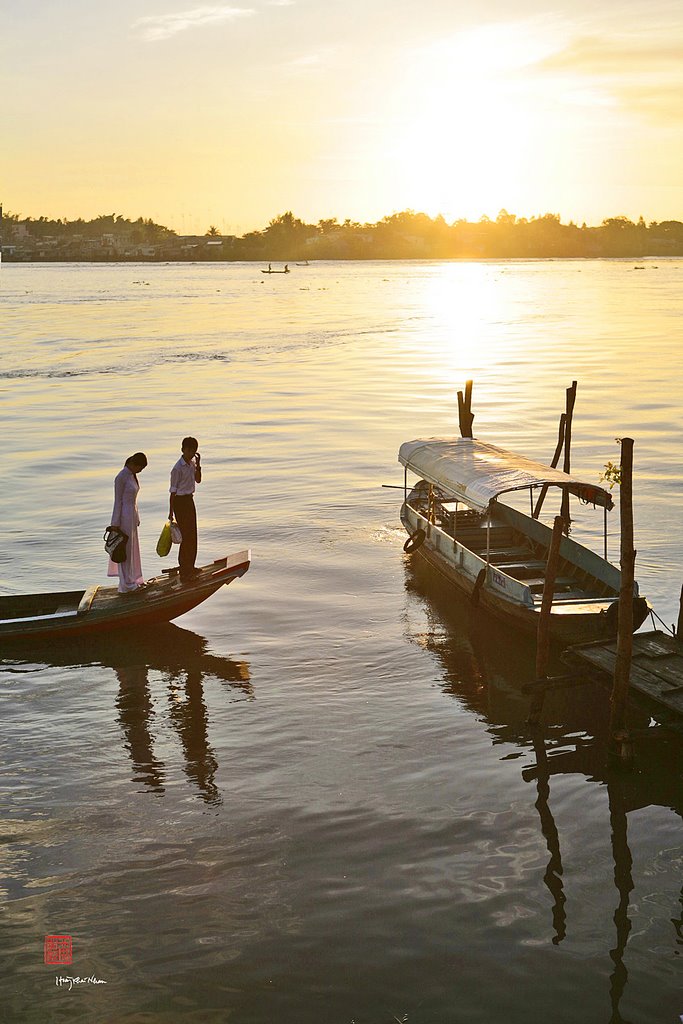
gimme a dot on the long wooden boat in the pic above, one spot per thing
(498, 554)
(100, 609)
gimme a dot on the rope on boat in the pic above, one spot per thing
(653, 616)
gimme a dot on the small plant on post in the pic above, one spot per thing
(612, 474)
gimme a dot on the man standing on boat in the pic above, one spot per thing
(185, 474)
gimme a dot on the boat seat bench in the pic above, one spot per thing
(517, 569)
(497, 535)
(565, 583)
(569, 605)
(511, 554)
(508, 554)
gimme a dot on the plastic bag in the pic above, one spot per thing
(176, 535)
(164, 542)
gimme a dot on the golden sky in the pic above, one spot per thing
(231, 113)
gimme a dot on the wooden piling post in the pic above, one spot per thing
(555, 459)
(679, 627)
(620, 745)
(465, 415)
(571, 399)
(543, 635)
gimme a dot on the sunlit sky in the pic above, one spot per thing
(231, 113)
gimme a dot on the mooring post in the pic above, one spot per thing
(571, 399)
(620, 743)
(679, 627)
(555, 459)
(465, 414)
(543, 635)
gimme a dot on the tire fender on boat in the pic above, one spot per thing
(415, 541)
(478, 584)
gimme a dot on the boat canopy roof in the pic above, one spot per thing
(475, 472)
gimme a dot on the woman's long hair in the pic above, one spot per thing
(140, 459)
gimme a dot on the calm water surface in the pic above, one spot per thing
(314, 800)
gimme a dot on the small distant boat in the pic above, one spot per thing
(304, 264)
(285, 271)
(498, 554)
(101, 609)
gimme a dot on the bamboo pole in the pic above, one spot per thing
(679, 627)
(465, 415)
(543, 635)
(553, 464)
(571, 399)
(619, 739)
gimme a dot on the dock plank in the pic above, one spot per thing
(656, 666)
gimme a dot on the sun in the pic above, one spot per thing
(468, 121)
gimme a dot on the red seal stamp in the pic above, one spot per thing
(58, 949)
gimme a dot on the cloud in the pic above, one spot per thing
(656, 102)
(642, 74)
(598, 55)
(163, 26)
(309, 62)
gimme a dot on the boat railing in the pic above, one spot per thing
(576, 555)
(469, 562)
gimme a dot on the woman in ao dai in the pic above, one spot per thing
(125, 517)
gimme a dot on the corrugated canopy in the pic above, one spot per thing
(476, 472)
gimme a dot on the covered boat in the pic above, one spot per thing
(100, 609)
(498, 554)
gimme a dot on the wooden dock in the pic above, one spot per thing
(656, 667)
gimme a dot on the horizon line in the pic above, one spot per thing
(510, 220)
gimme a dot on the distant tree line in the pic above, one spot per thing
(139, 230)
(405, 235)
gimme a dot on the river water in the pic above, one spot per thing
(314, 798)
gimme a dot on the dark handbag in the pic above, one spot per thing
(115, 541)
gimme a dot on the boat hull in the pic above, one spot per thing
(508, 599)
(565, 628)
(103, 610)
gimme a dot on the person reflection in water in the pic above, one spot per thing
(180, 660)
(189, 717)
(125, 517)
(135, 712)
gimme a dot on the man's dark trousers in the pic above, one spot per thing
(186, 517)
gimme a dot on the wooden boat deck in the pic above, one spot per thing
(656, 666)
(499, 557)
(162, 599)
(520, 558)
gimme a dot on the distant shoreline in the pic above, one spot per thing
(142, 261)
(286, 239)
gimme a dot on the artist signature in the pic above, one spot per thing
(68, 980)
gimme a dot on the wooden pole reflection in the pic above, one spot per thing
(553, 872)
